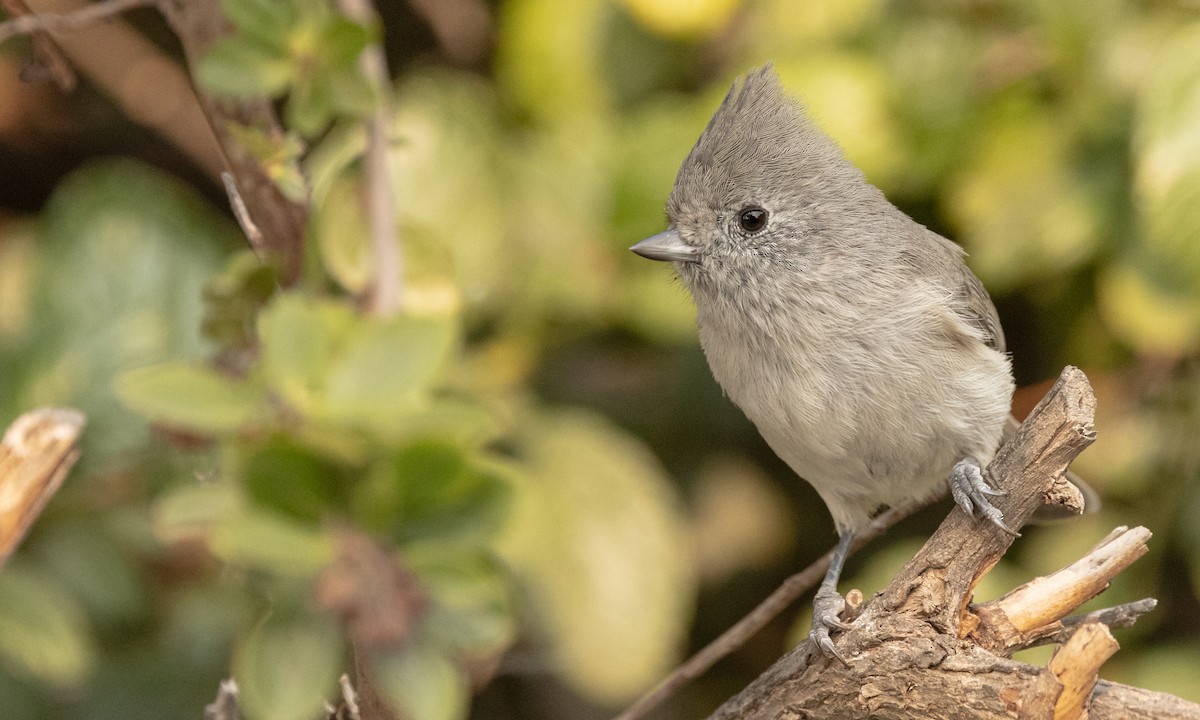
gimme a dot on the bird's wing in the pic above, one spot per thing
(977, 309)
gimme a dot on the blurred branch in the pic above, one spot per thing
(225, 706)
(37, 452)
(913, 650)
(48, 61)
(148, 86)
(282, 221)
(30, 23)
(154, 92)
(462, 27)
(386, 292)
(1118, 616)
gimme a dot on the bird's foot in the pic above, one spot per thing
(827, 608)
(971, 491)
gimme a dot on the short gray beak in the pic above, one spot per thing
(665, 246)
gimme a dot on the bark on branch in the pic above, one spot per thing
(920, 648)
(36, 453)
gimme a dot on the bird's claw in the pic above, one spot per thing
(971, 491)
(827, 606)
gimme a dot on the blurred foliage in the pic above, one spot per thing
(270, 476)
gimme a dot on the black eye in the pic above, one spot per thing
(752, 219)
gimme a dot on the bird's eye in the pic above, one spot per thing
(752, 219)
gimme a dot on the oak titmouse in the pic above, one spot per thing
(857, 341)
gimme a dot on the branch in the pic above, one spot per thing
(385, 294)
(766, 611)
(58, 22)
(1027, 613)
(281, 220)
(914, 650)
(37, 452)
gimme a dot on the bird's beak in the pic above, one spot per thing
(665, 246)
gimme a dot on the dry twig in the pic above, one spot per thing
(37, 452)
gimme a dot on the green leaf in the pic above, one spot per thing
(310, 106)
(288, 666)
(599, 539)
(263, 541)
(343, 41)
(241, 67)
(192, 511)
(267, 21)
(234, 297)
(42, 632)
(351, 93)
(123, 252)
(472, 610)
(100, 571)
(300, 337)
(422, 683)
(432, 490)
(190, 397)
(386, 364)
(342, 235)
(287, 477)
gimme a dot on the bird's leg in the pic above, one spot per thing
(971, 491)
(828, 604)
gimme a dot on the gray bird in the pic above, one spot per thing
(855, 339)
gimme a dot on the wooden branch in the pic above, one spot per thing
(36, 453)
(766, 611)
(1035, 609)
(914, 649)
(1076, 666)
(281, 221)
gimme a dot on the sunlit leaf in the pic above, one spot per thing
(548, 54)
(191, 397)
(1150, 317)
(385, 363)
(448, 149)
(1022, 212)
(287, 667)
(342, 234)
(598, 537)
(300, 337)
(1168, 167)
(684, 18)
(42, 632)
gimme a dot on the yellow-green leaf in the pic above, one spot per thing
(190, 396)
(598, 537)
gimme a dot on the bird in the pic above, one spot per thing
(857, 341)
